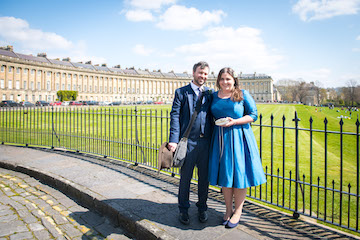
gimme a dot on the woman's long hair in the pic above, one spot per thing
(237, 94)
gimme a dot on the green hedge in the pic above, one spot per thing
(67, 95)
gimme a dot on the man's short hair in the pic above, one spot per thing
(201, 64)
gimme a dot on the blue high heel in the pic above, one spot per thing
(231, 225)
(224, 222)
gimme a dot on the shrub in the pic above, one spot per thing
(67, 95)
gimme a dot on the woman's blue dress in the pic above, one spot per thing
(234, 155)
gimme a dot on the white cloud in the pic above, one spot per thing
(356, 49)
(153, 4)
(182, 18)
(26, 40)
(358, 38)
(242, 49)
(141, 50)
(139, 15)
(309, 10)
(18, 30)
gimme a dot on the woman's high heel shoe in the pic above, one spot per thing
(231, 225)
(224, 222)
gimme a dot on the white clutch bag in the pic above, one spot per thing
(222, 121)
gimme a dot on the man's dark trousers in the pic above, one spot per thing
(197, 155)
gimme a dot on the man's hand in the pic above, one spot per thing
(172, 146)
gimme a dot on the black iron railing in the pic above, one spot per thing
(311, 172)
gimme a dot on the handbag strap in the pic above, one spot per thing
(193, 117)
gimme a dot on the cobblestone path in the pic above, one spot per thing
(32, 210)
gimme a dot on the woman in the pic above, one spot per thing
(235, 162)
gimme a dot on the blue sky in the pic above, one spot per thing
(313, 40)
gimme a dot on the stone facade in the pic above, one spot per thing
(33, 78)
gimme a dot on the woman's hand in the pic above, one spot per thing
(231, 122)
(240, 121)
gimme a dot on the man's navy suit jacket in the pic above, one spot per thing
(182, 109)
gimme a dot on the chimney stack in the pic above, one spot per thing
(8, 48)
(42, 55)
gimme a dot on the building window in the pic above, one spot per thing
(32, 86)
(38, 86)
(57, 87)
(63, 86)
(4, 97)
(105, 89)
(32, 71)
(74, 87)
(39, 97)
(12, 97)
(25, 86)
(10, 69)
(57, 75)
(10, 84)
(79, 88)
(18, 70)
(114, 89)
(48, 74)
(39, 73)
(63, 75)
(90, 88)
(2, 68)
(26, 70)
(68, 87)
(48, 85)
(84, 88)
(17, 85)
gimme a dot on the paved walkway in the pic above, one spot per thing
(144, 203)
(32, 210)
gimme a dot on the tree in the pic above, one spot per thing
(332, 95)
(302, 91)
(322, 95)
(350, 91)
(67, 95)
(318, 88)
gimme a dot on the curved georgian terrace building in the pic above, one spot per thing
(33, 78)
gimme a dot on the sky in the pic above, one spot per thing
(310, 40)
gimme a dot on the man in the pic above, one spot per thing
(198, 142)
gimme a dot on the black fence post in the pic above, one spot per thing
(261, 148)
(296, 120)
(136, 141)
(357, 174)
(52, 127)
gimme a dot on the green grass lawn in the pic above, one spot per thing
(111, 131)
